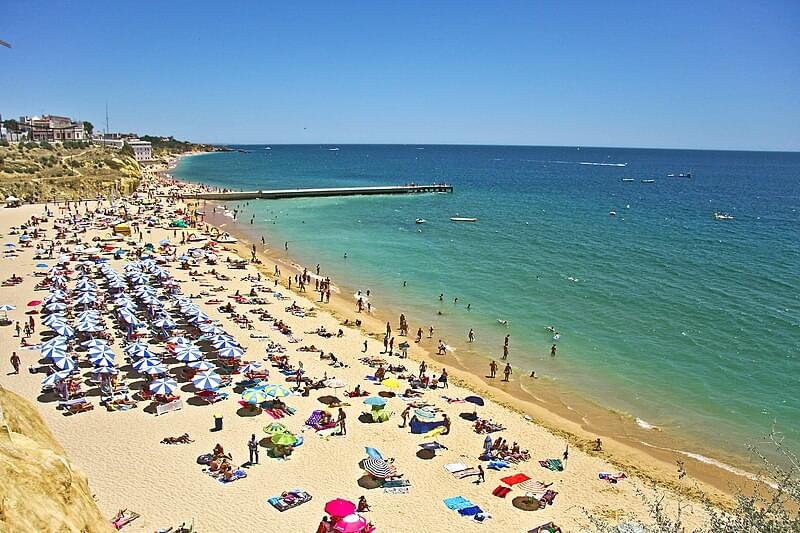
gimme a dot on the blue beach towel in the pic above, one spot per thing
(470, 511)
(457, 503)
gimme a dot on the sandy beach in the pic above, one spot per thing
(128, 467)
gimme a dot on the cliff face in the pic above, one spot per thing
(39, 489)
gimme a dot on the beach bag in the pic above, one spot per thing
(205, 459)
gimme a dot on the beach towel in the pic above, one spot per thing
(237, 474)
(496, 464)
(552, 464)
(394, 483)
(294, 498)
(535, 487)
(549, 497)
(513, 480)
(314, 419)
(419, 427)
(501, 491)
(612, 478)
(461, 474)
(470, 511)
(457, 502)
(455, 467)
(396, 490)
(549, 527)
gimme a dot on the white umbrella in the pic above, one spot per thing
(163, 386)
(207, 381)
(202, 365)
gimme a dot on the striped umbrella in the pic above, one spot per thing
(56, 341)
(55, 377)
(179, 340)
(202, 365)
(102, 360)
(188, 355)
(254, 396)
(207, 381)
(250, 367)
(65, 363)
(533, 486)
(163, 386)
(274, 428)
(101, 349)
(277, 391)
(105, 370)
(225, 343)
(55, 318)
(156, 370)
(146, 363)
(56, 306)
(54, 349)
(377, 468)
(94, 343)
(231, 353)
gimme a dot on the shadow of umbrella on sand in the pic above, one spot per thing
(368, 482)
(526, 503)
(328, 399)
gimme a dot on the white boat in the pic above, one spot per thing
(420, 221)
(648, 181)
(463, 219)
(612, 213)
(226, 238)
(723, 216)
(627, 179)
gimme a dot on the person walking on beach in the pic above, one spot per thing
(481, 476)
(17, 328)
(443, 378)
(507, 371)
(404, 416)
(15, 362)
(417, 340)
(365, 347)
(340, 420)
(471, 335)
(493, 369)
(430, 332)
(505, 348)
(252, 446)
(422, 368)
(553, 351)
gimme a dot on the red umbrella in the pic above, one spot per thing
(34, 303)
(338, 508)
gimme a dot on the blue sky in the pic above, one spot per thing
(660, 74)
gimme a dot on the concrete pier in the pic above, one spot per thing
(312, 193)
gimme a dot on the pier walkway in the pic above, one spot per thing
(312, 193)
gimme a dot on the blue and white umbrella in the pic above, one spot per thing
(55, 377)
(156, 370)
(179, 340)
(146, 363)
(231, 353)
(250, 367)
(102, 360)
(90, 327)
(86, 298)
(7, 307)
(101, 349)
(226, 343)
(65, 363)
(105, 370)
(53, 349)
(56, 306)
(163, 386)
(202, 366)
(207, 381)
(164, 323)
(189, 355)
(136, 348)
(64, 330)
(56, 341)
(94, 343)
(53, 319)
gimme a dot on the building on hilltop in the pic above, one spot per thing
(52, 128)
(142, 150)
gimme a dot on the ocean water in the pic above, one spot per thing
(687, 323)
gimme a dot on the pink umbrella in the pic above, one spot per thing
(338, 508)
(352, 523)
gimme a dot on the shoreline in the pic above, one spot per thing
(621, 433)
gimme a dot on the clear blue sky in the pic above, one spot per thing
(696, 74)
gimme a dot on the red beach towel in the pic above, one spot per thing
(501, 491)
(513, 480)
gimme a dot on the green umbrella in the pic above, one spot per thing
(275, 428)
(283, 439)
(254, 396)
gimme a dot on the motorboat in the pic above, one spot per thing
(463, 219)
(627, 179)
(648, 181)
(681, 175)
(723, 216)
(420, 221)
(612, 213)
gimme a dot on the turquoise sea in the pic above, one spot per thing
(682, 321)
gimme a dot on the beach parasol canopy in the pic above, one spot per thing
(64, 363)
(283, 439)
(101, 349)
(277, 391)
(275, 427)
(34, 303)
(377, 468)
(352, 523)
(105, 370)
(250, 367)
(207, 381)
(156, 370)
(7, 307)
(373, 453)
(202, 365)
(188, 354)
(424, 414)
(335, 383)
(146, 363)
(63, 330)
(477, 400)
(375, 401)
(56, 306)
(391, 383)
(231, 353)
(55, 377)
(94, 343)
(53, 349)
(338, 508)
(163, 386)
(254, 396)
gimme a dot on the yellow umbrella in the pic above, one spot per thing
(391, 383)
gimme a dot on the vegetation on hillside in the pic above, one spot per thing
(170, 145)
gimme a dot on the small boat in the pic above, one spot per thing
(723, 216)
(333, 149)
(463, 219)
(681, 175)
(420, 221)
(612, 213)
(648, 181)
(226, 238)
(627, 179)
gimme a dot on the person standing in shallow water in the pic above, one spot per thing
(492, 369)
(471, 335)
(507, 371)
(553, 351)
(505, 348)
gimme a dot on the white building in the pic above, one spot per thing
(142, 150)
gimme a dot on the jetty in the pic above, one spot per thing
(276, 194)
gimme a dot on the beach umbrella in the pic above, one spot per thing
(53, 349)
(207, 381)
(188, 354)
(56, 306)
(225, 343)
(202, 365)
(339, 507)
(64, 363)
(373, 453)
(94, 343)
(254, 396)
(136, 348)
(90, 327)
(250, 367)
(477, 400)
(283, 439)
(391, 383)
(102, 360)
(352, 523)
(377, 467)
(163, 386)
(85, 298)
(277, 391)
(155, 370)
(145, 363)
(34, 303)
(42, 265)
(101, 349)
(164, 323)
(231, 353)
(53, 319)
(375, 401)
(424, 414)
(274, 428)
(533, 486)
(10, 245)
(63, 329)
(334, 383)
(6, 308)
(55, 377)
(105, 370)
(56, 341)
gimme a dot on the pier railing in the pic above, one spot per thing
(311, 193)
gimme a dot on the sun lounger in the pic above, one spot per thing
(293, 498)
(76, 406)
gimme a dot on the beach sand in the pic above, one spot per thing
(127, 466)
